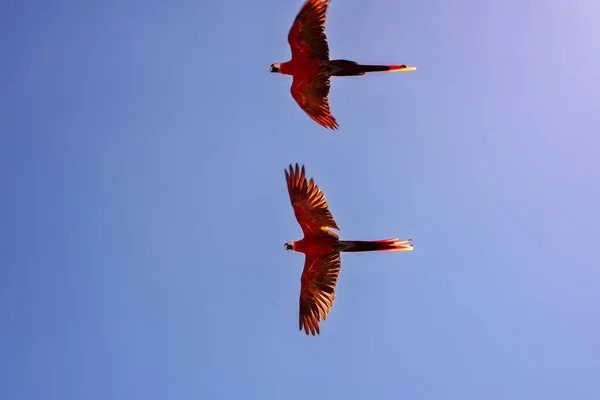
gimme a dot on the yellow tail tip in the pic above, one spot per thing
(403, 245)
(403, 68)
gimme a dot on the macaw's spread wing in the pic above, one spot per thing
(307, 35)
(310, 205)
(311, 96)
(317, 290)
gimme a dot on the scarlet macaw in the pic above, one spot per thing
(321, 248)
(310, 65)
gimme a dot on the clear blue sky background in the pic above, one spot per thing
(144, 208)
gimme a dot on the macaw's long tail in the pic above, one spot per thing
(392, 244)
(352, 68)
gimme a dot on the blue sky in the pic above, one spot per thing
(144, 209)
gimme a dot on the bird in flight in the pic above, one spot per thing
(321, 248)
(311, 67)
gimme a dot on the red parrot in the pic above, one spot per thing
(310, 65)
(321, 248)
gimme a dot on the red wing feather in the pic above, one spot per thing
(311, 95)
(307, 34)
(317, 290)
(310, 205)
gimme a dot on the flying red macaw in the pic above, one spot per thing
(310, 65)
(322, 248)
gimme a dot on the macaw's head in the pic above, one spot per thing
(274, 67)
(289, 245)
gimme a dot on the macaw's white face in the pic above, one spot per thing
(289, 245)
(274, 67)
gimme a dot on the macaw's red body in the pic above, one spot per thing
(322, 248)
(311, 67)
